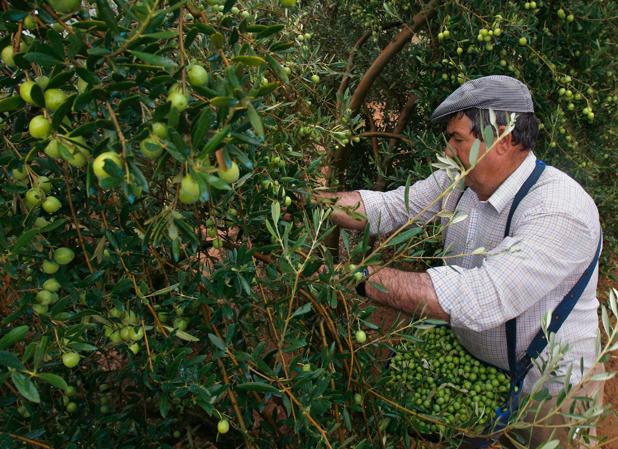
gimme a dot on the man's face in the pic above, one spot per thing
(460, 139)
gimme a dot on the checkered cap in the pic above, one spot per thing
(497, 92)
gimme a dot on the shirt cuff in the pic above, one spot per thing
(371, 202)
(445, 280)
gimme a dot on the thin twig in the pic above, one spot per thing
(137, 34)
(30, 441)
(147, 346)
(234, 401)
(121, 138)
(384, 134)
(76, 220)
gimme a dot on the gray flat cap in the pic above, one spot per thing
(497, 92)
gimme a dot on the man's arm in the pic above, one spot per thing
(409, 292)
(348, 209)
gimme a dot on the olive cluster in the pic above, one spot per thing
(436, 376)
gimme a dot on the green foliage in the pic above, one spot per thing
(188, 309)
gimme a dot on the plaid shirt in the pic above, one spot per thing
(554, 235)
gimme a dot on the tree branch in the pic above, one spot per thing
(389, 53)
(343, 153)
(393, 136)
(402, 121)
(346, 78)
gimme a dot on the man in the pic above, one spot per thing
(554, 229)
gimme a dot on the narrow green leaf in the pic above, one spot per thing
(217, 182)
(54, 380)
(42, 59)
(55, 44)
(612, 303)
(474, 151)
(62, 111)
(24, 240)
(187, 230)
(155, 60)
(305, 308)
(206, 29)
(39, 353)
(605, 321)
(255, 120)
(87, 76)
(405, 236)
(162, 35)
(492, 119)
(261, 387)
(269, 31)
(10, 360)
(164, 406)
(25, 386)
(202, 125)
(275, 212)
(281, 46)
(11, 103)
(270, 229)
(488, 136)
(185, 336)
(37, 95)
(214, 143)
(249, 60)
(163, 291)
(97, 51)
(277, 68)
(217, 342)
(13, 336)
(551, 444)
(60, 79)
(223, 101)
(264, 89)
(602, 376)
(406, 194)
(106, 13)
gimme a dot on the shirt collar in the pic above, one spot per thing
(511, 185)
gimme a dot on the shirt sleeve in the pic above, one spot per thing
(387, 211)
(545, 250)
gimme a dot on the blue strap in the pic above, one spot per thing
(561, 312)
(519, 369)
(511, 325)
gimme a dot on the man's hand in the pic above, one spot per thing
(348, 208)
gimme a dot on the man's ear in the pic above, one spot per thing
(506, 144)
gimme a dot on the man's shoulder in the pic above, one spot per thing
(557, 192)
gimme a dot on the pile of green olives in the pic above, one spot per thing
(437, 377)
